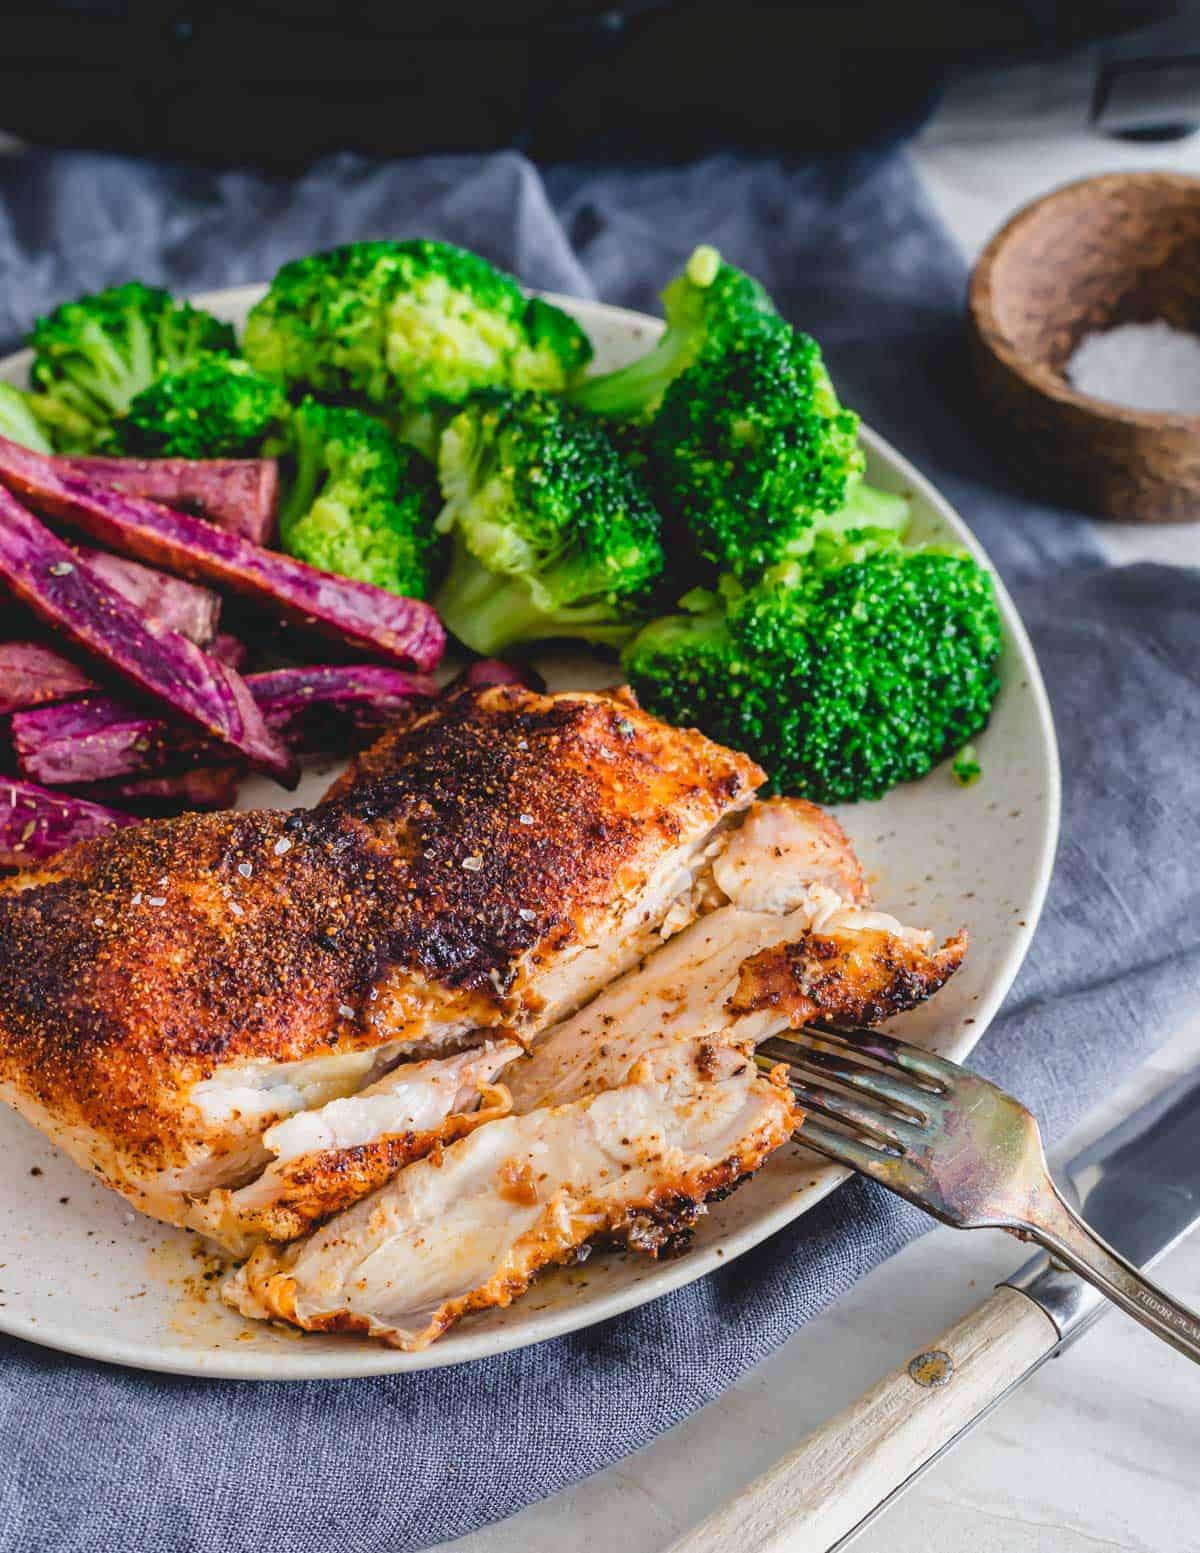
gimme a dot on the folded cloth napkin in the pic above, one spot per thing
(92, 1457)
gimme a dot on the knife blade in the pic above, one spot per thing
(1138, 1186)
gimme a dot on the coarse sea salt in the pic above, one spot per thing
(1151, 366)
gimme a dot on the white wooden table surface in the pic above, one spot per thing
(1099, 1450)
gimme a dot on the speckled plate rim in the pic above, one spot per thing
(352, 1358)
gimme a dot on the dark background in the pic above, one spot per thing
(276, 82)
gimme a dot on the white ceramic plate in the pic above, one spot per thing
(80, 1271)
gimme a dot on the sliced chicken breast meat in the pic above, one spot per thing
(629, 1116)
(737, 976)
(797, 844)
(785, 846)
(633, 1164)
(326, 1159)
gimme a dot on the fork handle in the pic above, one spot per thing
(1058, 1229)
(847, 1468)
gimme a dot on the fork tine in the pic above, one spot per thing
(895, 1174)
(836, 1145)
(852, 1111)
(910, 1097)
(887, 1049)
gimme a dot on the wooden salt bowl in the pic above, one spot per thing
(1121, 248)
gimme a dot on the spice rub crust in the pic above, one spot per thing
(462, 853)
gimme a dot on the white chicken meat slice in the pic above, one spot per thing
(326, 1159)
(686, 990)
(471, 1230)
(677, 996)
(784, 846)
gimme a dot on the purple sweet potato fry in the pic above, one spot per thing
(35, 824)
(335, 708)
(185, 607)
(230, 650)
(369, 619)
(240, 495)
(330, 709)
(203, 787)
(47, 577)
(32, 673)
(494, 671)
(99, 738)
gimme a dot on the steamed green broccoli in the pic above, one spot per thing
(18, 421)
(409, 329)
(709, 307)
(843, 674)
(554, 534)
(749, 448)
(92, 357)
(215, 407)
(356, 502)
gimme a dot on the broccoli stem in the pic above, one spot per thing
(421, 429)
(18, 422)
(488, 612)
(634, 389)
(305, 477)
(115, 380)
(869, 512)
(867, 507)
(69, 430)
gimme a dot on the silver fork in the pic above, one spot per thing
(959, 1148)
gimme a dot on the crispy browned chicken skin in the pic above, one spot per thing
(169, 991)
(852, 977)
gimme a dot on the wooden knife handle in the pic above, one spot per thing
(843, 1470)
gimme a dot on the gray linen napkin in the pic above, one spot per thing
(93, 1458)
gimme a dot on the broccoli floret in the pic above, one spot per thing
(410, 329)
(843, 674)
(18, 422)
(554, 535)
(708, 307)
(93, 357)
(749, 448)
(358, 503)
(215, 407)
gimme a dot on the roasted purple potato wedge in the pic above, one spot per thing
(47, 577)
(366, 618)
(35, 824)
